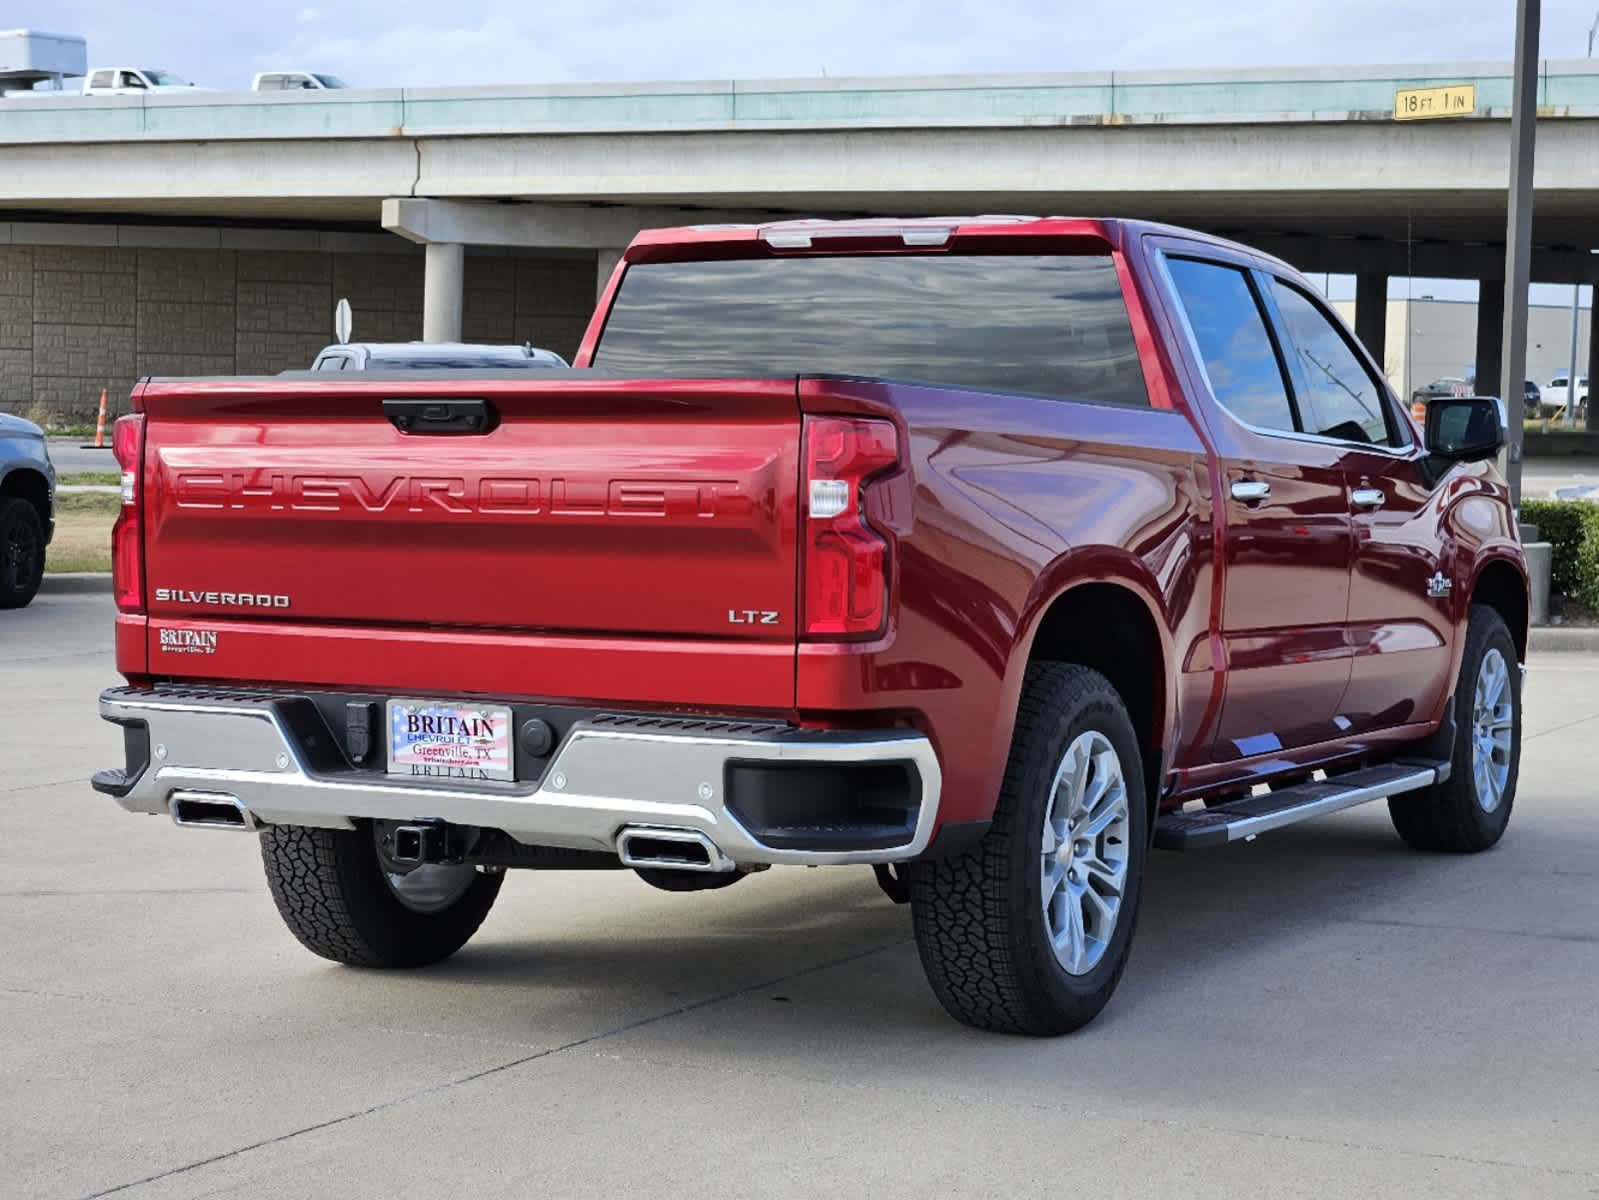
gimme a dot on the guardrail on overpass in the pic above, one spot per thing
(1565, 88)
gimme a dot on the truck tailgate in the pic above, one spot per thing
(593, 509)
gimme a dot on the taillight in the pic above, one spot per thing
(127, 536)
(846, 562)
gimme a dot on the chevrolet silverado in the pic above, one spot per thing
(990, 553)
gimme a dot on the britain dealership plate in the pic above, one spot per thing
(450, 741)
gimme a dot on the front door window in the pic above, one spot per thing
(1235, 349)
(1340, 398)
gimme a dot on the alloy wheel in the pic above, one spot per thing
(1492, 716)
(16, 557)
(1085, 852)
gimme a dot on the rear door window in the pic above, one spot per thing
(1050, 325)
(1340, 398)
(1235, 346)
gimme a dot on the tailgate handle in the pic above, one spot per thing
(441, 416)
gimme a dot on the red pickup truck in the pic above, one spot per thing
(989, 553)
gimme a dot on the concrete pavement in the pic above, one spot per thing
(1321, 1012)
(72, 455)
(1560, 478)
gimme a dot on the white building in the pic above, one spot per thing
(1434, 339)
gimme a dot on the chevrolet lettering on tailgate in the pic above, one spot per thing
(508, 495)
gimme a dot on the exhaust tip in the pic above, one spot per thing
(671, 850)
(210, 810)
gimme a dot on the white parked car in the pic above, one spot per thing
(136, 81)
(295, 81)
(431, 356)
(1558, 390)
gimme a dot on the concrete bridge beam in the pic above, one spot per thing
(546, 226)
(1593, 362)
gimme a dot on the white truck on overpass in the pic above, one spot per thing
(29, 58)
(39, 64)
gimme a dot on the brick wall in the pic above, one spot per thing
(16, 322)
(75, 319)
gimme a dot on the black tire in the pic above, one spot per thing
(979, 915)
(332, 893)
(21, 552)
(1447, 816)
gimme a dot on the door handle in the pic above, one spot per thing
(1251, 491)
(1367, 498)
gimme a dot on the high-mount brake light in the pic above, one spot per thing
(846, 562)
(127, 535)
(801, 237)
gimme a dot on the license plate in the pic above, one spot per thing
(450, 741)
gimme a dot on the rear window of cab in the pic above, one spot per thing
(1046, 325)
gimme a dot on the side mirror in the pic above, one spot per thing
(1465, 428)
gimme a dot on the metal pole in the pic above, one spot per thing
(1569, 416)
(1592, 29)
(1518, 233)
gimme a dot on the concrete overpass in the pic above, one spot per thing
(1308, 163)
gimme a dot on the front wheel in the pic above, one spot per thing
(1469, 810)
(343, 899)
(21, 552)
(1028, 932)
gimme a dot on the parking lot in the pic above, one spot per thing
(1319, 1012)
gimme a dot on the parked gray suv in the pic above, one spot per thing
(27, 509)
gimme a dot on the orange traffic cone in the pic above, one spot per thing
(99, 424)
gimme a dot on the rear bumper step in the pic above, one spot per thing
(1244, 819)
(244, 759)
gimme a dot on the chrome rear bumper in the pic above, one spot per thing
(609, 774)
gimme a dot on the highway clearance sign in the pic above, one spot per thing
(1430, 103)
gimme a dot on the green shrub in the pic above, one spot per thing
(1560, 523)
(1586, 566)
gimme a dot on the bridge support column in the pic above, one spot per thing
(1490, 342)
(1593, 360)
(1371, 315)
(443, 283)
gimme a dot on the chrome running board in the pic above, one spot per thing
(1245, 818)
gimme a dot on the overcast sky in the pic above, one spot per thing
(384, 43)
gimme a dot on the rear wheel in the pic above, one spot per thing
(1469, 810)
(1028, 932)
(345, 901)
(21, 552)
